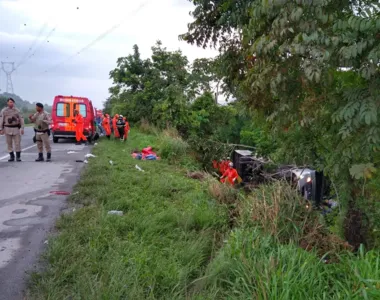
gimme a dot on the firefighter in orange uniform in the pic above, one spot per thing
(107, 126)
(127, 128)
(115, 131)
(231, 174)
(79, 128)
(227, 162)
(215, 164)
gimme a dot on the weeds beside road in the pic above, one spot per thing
(162, 243)
(176, 239)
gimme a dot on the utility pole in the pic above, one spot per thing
(8, 72)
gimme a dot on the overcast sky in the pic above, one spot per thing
(67, 26)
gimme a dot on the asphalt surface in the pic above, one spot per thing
(28, 208)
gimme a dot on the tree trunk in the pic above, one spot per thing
(356, 222)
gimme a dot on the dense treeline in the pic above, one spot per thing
(312, 68)
(168, 91)
(306, 79)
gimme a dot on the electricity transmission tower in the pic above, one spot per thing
(8, 72)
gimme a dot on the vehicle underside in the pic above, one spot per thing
(253, 170)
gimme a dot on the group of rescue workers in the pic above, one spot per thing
(226, 170)
(12, 126)
(118, 125)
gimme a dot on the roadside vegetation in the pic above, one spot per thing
(186, 238)
(302, 80)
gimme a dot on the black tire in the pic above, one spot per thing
(55, 140)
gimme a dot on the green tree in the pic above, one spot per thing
(288, 64)
(3, 101)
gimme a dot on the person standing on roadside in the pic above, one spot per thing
(12, 125)
(127, 128)
(99, 124)
(42, 121)
(79, 128)
(114, 126)
(120, 128)
(107, 125)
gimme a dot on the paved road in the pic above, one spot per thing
(26, 142)
(28, 209)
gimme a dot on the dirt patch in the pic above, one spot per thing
(198, 175)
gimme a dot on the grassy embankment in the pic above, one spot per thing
(175, 240)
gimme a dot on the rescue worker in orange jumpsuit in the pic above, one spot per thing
(227, 162)
(79, 128)
(215, 164)
(231, 174)
(127, 129)
(107, 126)
(114, 127)
(222, 166)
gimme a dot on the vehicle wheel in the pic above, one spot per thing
(55, 140)
(89, 139)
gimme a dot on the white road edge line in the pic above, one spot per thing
(27, 148)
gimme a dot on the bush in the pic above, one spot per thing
(172, 148)
(255, 266)
(279, 211)
(147, 128)
(222, 193)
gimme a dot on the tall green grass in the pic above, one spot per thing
(163, 242)
(255, 266)
(175, 241)
(280, 212)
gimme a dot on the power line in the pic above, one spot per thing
(98, 39)
(46, 39)
(25, 56)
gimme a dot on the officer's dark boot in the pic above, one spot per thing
(11, 156)
(18, 156)
(40, 157)
(48, 157)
